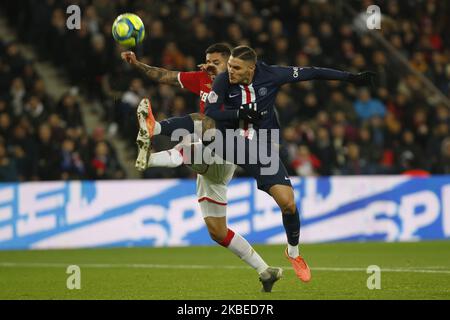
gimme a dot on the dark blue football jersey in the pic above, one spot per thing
(225, 98)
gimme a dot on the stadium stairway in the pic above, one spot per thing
(57, 85)
(433, 94)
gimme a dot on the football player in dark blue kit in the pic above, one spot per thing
(243, 98)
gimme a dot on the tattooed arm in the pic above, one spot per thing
(159, 74)
(154, 73)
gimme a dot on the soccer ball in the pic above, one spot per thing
(128, 30)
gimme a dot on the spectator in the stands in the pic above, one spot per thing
(305, 163)
(367, 107)
(8, 169)
(372, 118)
(355, 164)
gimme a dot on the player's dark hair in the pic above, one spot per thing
(223, 48)
(244, 53)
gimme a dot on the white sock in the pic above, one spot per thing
(157, 128)
(244, 250)
(169, 159)
(293, 251)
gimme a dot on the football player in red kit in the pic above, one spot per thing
(212, 180)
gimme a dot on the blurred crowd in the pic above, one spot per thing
(43, 139)
(329, 127)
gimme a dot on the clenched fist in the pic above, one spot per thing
(129, 57)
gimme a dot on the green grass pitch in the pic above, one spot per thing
(408, 271)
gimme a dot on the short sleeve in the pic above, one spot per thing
(190, 81)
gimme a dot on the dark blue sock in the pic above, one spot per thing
(168, 126)
(291, 223)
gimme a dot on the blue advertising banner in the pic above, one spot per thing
(44, 215)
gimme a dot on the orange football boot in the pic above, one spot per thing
(300, 267)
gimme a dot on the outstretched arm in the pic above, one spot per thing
(156, 74)
(295, 74)
(315, 73)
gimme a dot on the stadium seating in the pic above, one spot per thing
(327, 126)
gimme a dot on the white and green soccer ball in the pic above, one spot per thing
(128, 30)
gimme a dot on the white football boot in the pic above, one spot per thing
(144, 138)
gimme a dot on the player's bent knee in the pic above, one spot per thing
(217, 229)
(284, 197)
(217, 234)
(288, 206)
(197, 116)
(207, 122)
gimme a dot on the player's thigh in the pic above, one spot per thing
(213, 183)
(212, 197)
(220, 173)
(268, 175)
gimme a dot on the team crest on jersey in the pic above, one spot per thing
(262, 91)
(212, 97)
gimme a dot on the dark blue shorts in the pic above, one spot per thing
(265, 182)
(261, 161)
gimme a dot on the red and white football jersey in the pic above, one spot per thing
(197, 82)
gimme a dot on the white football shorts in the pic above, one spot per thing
(212, 186)
(212, 182)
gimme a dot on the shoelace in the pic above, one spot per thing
(301, 262)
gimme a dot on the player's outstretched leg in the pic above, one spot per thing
(171, 158)
(239, 246)
(284, 196)
(146, 122)
(148, 128)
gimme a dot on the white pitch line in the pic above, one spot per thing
(170, 266)
(382, 270)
